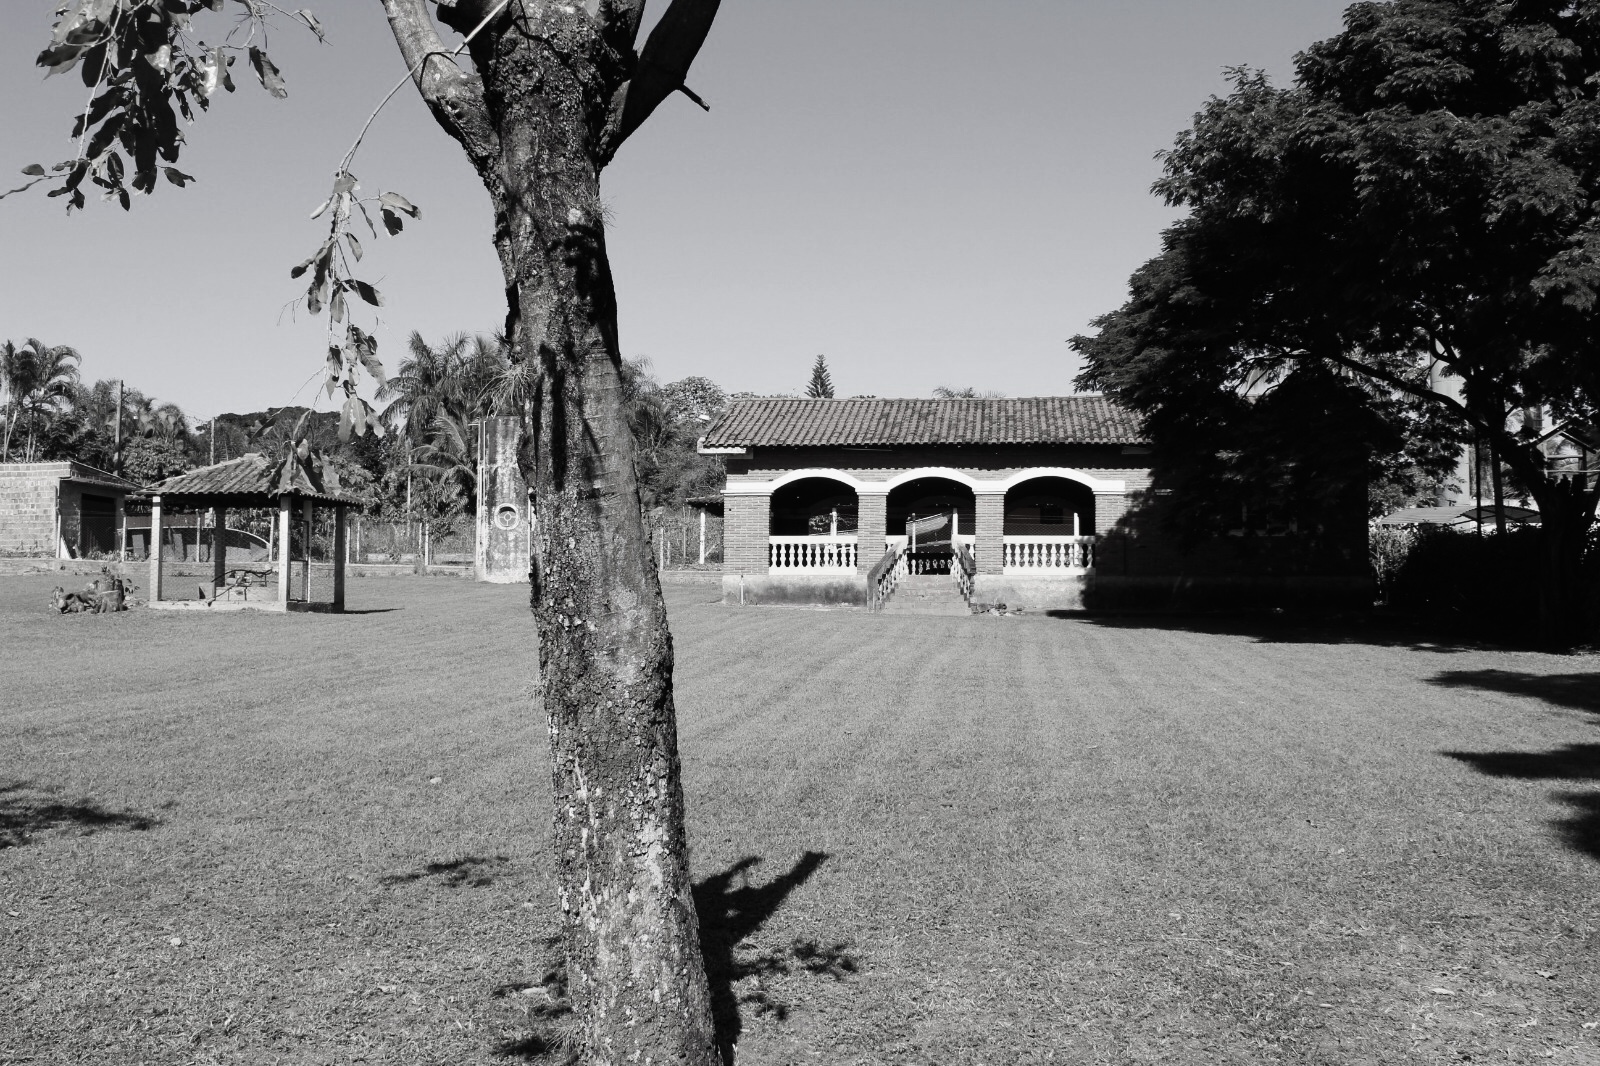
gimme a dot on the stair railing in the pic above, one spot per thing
(885, 576)
(963, 567)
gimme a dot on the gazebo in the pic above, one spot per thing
(309, 570)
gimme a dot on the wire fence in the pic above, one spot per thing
(685, 538)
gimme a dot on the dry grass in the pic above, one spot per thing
(940, 840)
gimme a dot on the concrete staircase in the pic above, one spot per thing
(926, 594)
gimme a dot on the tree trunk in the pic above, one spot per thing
(538, 137)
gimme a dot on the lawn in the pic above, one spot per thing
(258, 839)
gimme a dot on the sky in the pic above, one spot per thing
(926, 192)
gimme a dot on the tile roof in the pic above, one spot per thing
(255, 475)
(1020, 420)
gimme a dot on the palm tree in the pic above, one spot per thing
(39, 380)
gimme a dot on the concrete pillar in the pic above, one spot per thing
(122, 528)
(155, 549)
(702, 536)
(339, 539)
(871, 527)
(747, 523)
(283, 547)
(219, 549)
(989, 527)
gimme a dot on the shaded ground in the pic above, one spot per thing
(308, 839)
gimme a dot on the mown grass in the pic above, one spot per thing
(919, 839)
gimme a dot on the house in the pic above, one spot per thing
(1040, 503)
(820, 492)
(63, 510)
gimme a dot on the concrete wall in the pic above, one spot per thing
(1062, 593)
(504, 551)
(795, 590)
(28, 506)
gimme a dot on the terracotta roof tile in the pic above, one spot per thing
(1020, 420)
(252, 475)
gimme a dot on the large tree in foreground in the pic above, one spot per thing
(1425, 198)
(553, 90)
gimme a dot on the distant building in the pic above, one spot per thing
(62, 510)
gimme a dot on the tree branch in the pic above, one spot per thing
(662, 67)
(619, 23)
(454, 96)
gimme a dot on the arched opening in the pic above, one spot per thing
(1049, 525)
(930, 515)
(813, 526)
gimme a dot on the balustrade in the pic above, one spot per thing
(789, 555)
(1045, 555)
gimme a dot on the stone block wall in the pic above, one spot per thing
(28, 506)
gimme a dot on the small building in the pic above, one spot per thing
(306, 567)
(1037, 503)
(62, 510)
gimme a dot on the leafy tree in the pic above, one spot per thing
(946, 392)
(820, 387)
(39, 380)
(1424, 196)
(553, 92)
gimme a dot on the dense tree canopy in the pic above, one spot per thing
(1423, 200)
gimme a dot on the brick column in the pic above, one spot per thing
(746, 525)
(1109, 507)
(989, 529)
(871, 527)
(155, 550)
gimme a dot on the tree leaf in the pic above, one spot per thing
(33, 170)
(399, 203)
(336, 309)
(369, 294)
(355, 245)
(391, 222)
(311, 20)
(177, 177)
(267, 71)
(344, 423)
(322, 207)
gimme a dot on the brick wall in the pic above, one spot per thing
(871, 527)
(988, 547)
(744, 534)
(28, 506)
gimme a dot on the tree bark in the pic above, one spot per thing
(539, 120)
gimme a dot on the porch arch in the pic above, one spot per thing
(814, 505)
(1049, 505)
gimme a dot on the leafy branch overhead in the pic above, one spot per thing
(144, 69)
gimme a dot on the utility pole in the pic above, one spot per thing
(116, 434)
(213, 440)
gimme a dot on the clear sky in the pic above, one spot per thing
(928, 192)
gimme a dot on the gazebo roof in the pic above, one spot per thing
(253, 479)
(787, 422)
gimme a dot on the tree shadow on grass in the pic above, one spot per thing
(731, 909)
(474, 871)
(1570, 762)
(26, 810)
(1578, 691)
(1289, 628)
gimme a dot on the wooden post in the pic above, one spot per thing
(155, 549)
(702, 536)
(283, 548)
(219, 550)
(340, 542)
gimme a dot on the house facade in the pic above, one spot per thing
(1019, 492)
(1037, 503)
